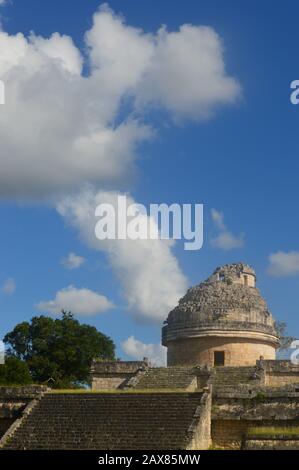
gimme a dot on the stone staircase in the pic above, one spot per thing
(184, 377)
(272, 441)
(107, 421)
(168, 378)
(233, 376)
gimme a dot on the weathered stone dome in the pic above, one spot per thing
(224, 305)
(223, 297)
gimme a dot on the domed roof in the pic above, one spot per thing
(228, 299)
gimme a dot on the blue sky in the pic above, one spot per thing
(242, 161)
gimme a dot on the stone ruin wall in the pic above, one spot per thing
(200, 428)
(266, 403)
(107, 383)
(231, 434)
(234, 410)
(238, 351)
(13, 400)
(115, 374)
(280, 373)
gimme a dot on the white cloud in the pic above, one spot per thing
(147, 269)
(136, 349)
(9, 286)
(57, 126)
(78, 301)
(225, 240)
(187, 73)
(63, 130)
(284, 264)
(2, 2)
(59, 129)
(73, 261)
(218, 219)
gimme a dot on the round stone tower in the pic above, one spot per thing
(222, 321)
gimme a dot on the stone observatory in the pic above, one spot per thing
(224, 321)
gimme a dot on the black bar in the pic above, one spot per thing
(134, 459)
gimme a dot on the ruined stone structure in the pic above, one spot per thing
(222, 321)
(217, 392)
(114, 421)
(115, 374)
(181, 407)
(13, 402)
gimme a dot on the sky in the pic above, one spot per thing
(166, 102)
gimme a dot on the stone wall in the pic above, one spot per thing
(115, 374)
(238, 351)
(258, 405)
(279, 373)
(228, 434)
(277, 380)
(107, 383)
(235, 411)
(200, 428)
(13, 400)
(232, 434)
(27, 392)
(271, 443)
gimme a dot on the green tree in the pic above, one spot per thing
(284, 339)
(14, 372)
(59, 350)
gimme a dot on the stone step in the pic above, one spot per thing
(107, 421)
(271, 443)
(233, 376)
(167, 377)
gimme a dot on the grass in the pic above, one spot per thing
(217, 447)
(133, 391)
(273, 431)
(19, 385)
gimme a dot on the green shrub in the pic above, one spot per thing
(14, 372)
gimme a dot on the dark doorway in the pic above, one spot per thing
(218, 358)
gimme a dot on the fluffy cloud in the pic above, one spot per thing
(136, 349)
(225, 240)
(9, 286)
(56, 131)
(73, 261)
(182, 71)
(78, 301)
(62, 128)
(187, 73)
(284, 264)
(147, 269)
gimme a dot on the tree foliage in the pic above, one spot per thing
(284, 339)
(59, 350)
(14, 372)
